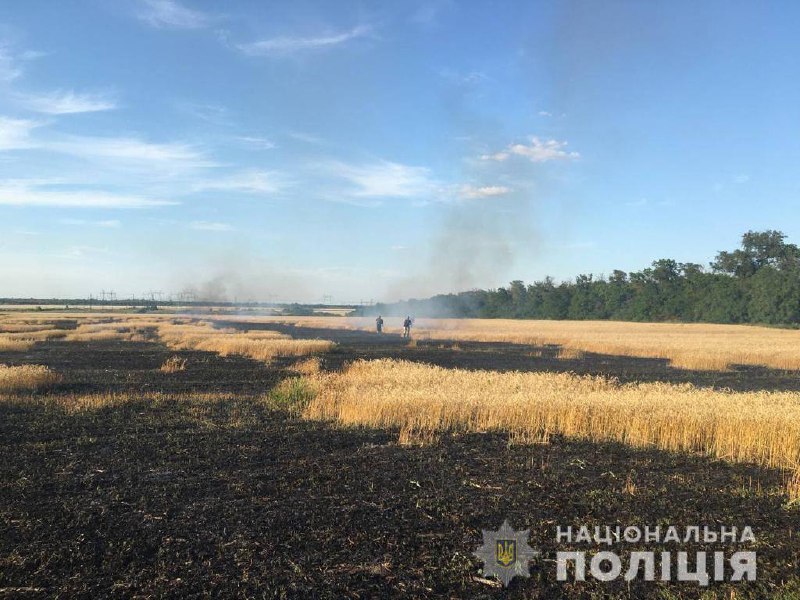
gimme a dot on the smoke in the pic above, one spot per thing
(240, 274)
(483, 242)
(486, 220)
(476, 244)
(245, 283)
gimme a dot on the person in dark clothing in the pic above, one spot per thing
(379, 324)
(407, 327)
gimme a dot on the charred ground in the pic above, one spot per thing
(238, 498)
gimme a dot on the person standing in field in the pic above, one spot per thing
(407, 327)
(379, 324)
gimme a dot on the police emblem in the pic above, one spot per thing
(505, 553)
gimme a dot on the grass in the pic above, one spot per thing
(131, 330)
(197, 404)
(686, 346)
(258, 345)
(179, 333)
(21, 338)
(173, 364)
(23, 327)
(292, 394)
(15, 345)
(422, 400)
(26, 378)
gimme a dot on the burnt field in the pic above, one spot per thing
(207, 482)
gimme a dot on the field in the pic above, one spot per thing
(177, 455)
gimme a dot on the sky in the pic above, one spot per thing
(358, 151)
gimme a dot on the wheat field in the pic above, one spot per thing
(21, 332)
(26, 378)
(258, 345)
(423, 400)
(685, 345)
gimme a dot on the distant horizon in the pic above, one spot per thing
(189, 297)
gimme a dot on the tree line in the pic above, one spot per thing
(756, 283)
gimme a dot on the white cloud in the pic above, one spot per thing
(210, 226)
(15, 133)
(385, 179)
(537, 151)
(9, 69)
(544, 113)
(33, 193)
(63, 103)
(307, 138)
(172, 14)
(211, 113)
(262, 182)
(290, 45)
(486, 191)
(108, 224)
(259, 143)
(10, 61)
(130, 151)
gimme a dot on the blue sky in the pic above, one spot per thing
(379, 150)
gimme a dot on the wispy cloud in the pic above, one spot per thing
(130, 151)
(210, 226)
(537, 151)
(210, 113)
(64, 103)
(9, 68)
(127, 152)
(384, 179)
(107, 224)
(485, 191)
(307, 138)
(252, 181)
(260, 143)
(289, 45)
(16, 133)
(172, 14)
(12, 60)
(31, 193)
(470, 78)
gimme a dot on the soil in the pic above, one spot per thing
(183, 497)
